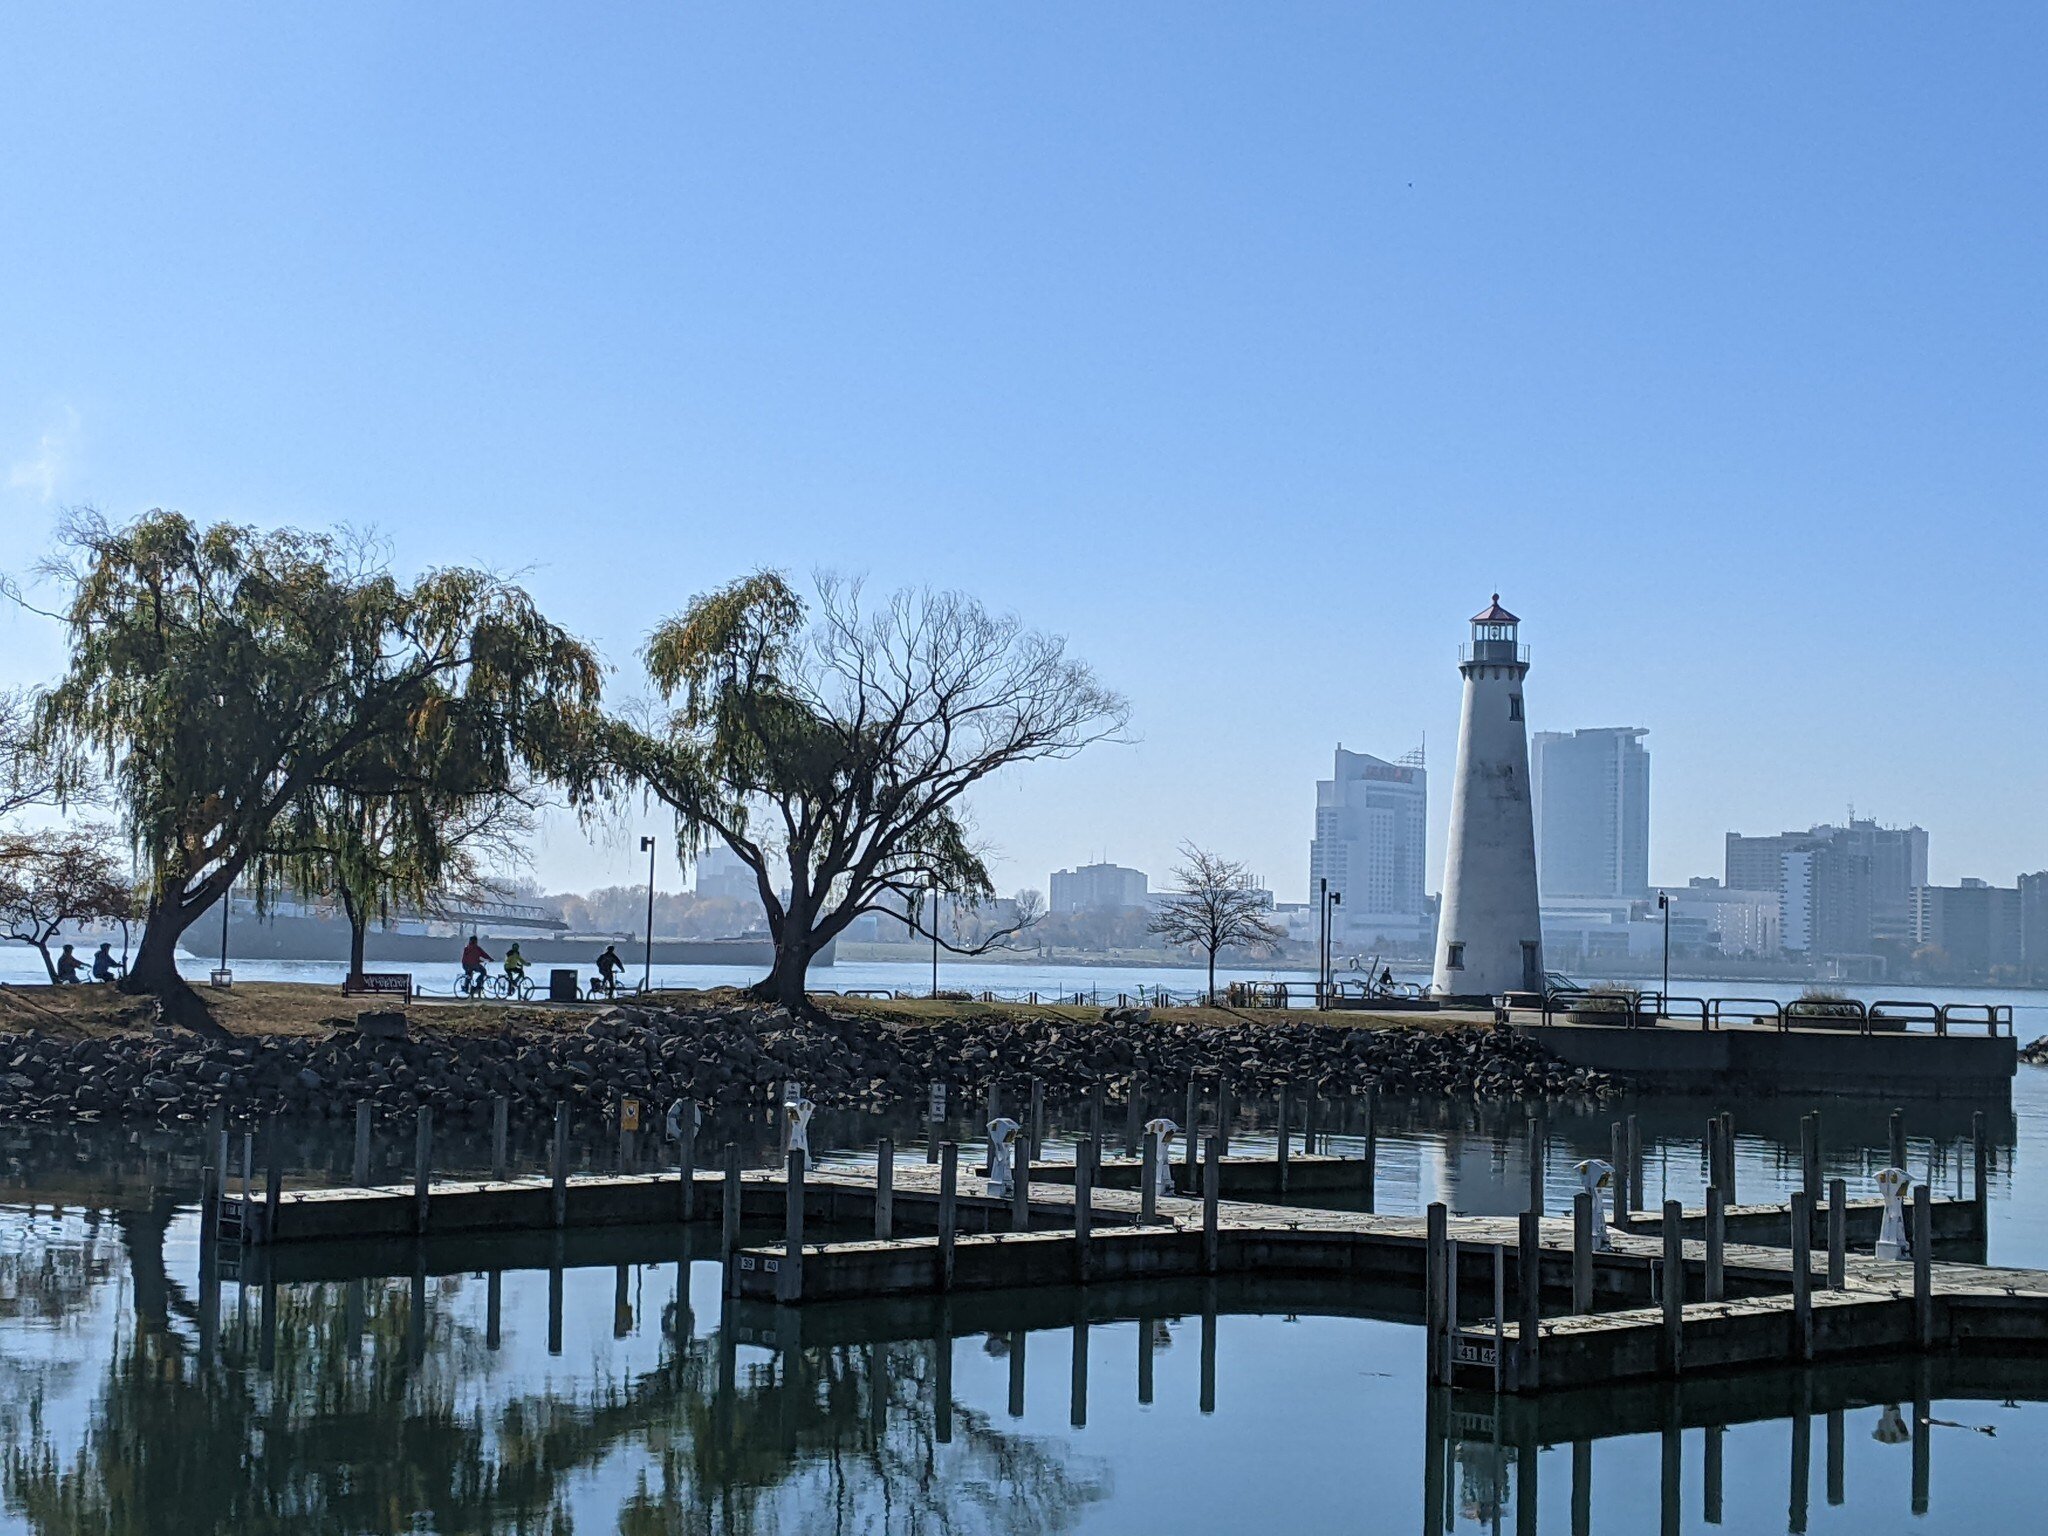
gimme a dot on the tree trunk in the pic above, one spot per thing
(155, 971)
(787, 984)
(358, 936)
(43, 949)
(1212, 978)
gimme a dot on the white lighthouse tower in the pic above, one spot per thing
(1490, 937)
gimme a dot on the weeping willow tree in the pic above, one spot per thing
(831, 747)
(226, 675)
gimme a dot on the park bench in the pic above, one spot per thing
(379, 984)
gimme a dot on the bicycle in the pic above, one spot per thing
(519, 988)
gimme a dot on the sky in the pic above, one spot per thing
(1249, 347)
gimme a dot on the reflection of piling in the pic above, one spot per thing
(1077, 1394)
(1836, 1474)
(1435, 1447)
(1923, 1409)
(1208, 1384)
(1670, 1472)
(1802, 1460)
(494, 1309)
(416, 1314)
(622, 1301)
(1525, 1488)
(1710, 1473)
(266, 1338)
(555, 1297)
(1146, 1350)
(1582, 1488)
(1017, 1338)
(942, 1376)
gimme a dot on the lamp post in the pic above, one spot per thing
(647, 975)
(935, 938)
(1322, 940)
(1664, 997)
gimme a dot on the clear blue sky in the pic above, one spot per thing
(1249, 346)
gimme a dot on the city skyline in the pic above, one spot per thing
(826, 278)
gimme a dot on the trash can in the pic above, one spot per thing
(562, 984)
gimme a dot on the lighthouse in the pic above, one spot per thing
(1489, 936)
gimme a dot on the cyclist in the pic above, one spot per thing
(69, 968)
(609, 965)
(104, 966)
(515, 969)
(474, 958)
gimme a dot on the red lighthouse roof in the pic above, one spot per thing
(1495, 614)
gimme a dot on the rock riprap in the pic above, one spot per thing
(736, 1056)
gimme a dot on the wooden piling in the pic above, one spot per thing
(422, 1166)
(1311, 1121)
(1370, 1175)
(1037, 1117)
(1435, 1288)
(949, 1209)
(1635, 1167)
(1582, 1252)
(1280, 1144)
(501, 1137)
(1898, 1138)
(1192, 1152)
(1134, 1107)
(1809, 1158)
(1728, 1156)
(1148, 1181)
(729, 1192)
(1529, 1294)
(558, 1166)
(789, 1279)
(273, 1177)
(1617, 1145)
(885, 1189)
(1537, 1153)
(1224, 1111)
(1212, 1182)
(1802, 1275)
(686, 1161)
(362, 1161)
(1674, 1287)
(1717, 1242)
(1084, 1206)
(1923, 1265)
(935, 1099)
(1020, 1189)
(1838, 1233)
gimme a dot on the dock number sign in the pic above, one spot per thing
(938, 1103)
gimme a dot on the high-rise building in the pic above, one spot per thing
(1977, 927)
(1097, 888)
(1841, 888)
(1371, 844)
(723, 875)
(1591, 790)
(1490, 937)
(2034, 928)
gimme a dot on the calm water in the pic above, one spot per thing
(614, 1394)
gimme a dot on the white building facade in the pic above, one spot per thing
(1371, 844)
(1592, 805)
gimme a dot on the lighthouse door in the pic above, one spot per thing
(1532, 966)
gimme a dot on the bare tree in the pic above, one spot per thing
(831, 749)
(1215, 906)
(50, 878)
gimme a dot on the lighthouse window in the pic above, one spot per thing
(1514, 706)
(1455, 960)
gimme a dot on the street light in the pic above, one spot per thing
(1326, 979)
(647, 976)
(1664, 997)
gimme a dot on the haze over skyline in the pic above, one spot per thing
(1249, 349)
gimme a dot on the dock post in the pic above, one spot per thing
(558, 1166)
(248, 1183)
(1980, 1157)
(1280, 1146)
(885, 1189)
(1923, 1266)
(1148, 1181)
(995, 1099)
(1728, 1155)
(1582, 1252)
(789, 1279)
(1037, 1115)
(1717, 1242)
(1084, 1206)
(1192, 1152)
(1802, 1275)
(1635, 1168)
(1716, 1174)
(1212, 1181)
(362, 1163)
(1434, 1289)
(1134, 1107)
(1617, 1144)
(1095, 1113)
(422, 1166)
(1674, 1287)
(729, 1188)
(1529, 1294)
(1538, 1138)
(1838, 1233)
(273, 1177)
(1311, 1121)
(1898, 1143)
(1224, 1110)
(686, 1161)
(1809, 1157)
(1020, 1190)
(501, 1137)
(209, 1215)
(934, 1120)
(949, 1209)
(1371, 1174)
